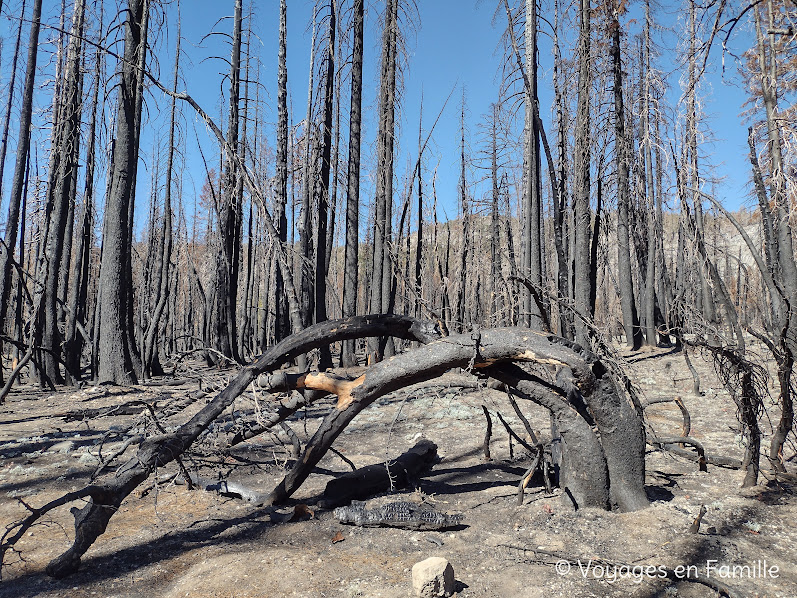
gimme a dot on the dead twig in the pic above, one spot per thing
(524, 481)
(701, 452)
(346, 460)
(514, 435)
(687, 426)
(487, 434)
(519, 413)
(695, 527)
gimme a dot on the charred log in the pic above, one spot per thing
(380, 477)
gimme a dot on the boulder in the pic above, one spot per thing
(433, 578)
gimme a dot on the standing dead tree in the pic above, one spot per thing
(54, 254)
(116, 347)
(746, 382)
(10, 100)
(383, 272)
(633, 332)
(77, 300)
(322, 191)
(582, 229)
(704, 298)
(281, 326)
(21, 164)
(351, 259)
(599, 469)
(224, 335)
(531, 239)
(779, 342)
(149, 354)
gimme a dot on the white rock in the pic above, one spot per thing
(65, 447)
(88, 459)
(433, 578)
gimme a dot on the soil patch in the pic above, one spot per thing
(171, 541)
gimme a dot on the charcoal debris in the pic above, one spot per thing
(401, 514)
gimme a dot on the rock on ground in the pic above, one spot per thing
(433, 577)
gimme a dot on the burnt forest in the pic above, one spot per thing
(398, 298)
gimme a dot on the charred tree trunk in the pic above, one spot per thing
(784, 295)
(150, 361)
(784, 247)
(335, 164)
(594, 247)
(560, 205)
(77, 309)
(705, 298)
(351, 258)
(512, 315)
(459, 307)
(496, 278)
(770, 242)
(60, 194)
(532, 245)
(652, 225)
(115, 294)
(581, 184)
(382, 279)
(281, 325)
(227, 261)
(305, 234)
(10, 102)
(417, 283)
(20, 166)
(243, 321)
(633, 333)
(323, 189)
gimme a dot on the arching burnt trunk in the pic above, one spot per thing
(601, 469)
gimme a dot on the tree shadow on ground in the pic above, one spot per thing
(652, 355)
(43, 442)
(99, 568)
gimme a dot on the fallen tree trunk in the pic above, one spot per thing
(157, 451)
(599, 470)
(405, 515)
(373, 479)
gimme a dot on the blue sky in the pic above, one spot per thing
(455, 44)
(446, 52)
